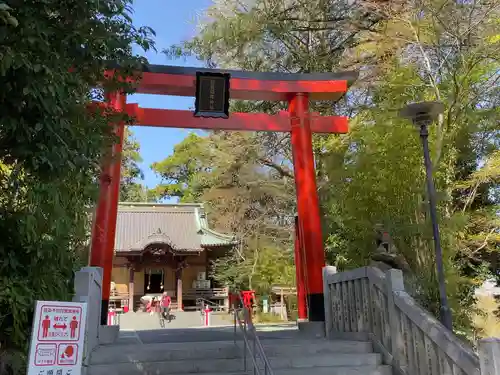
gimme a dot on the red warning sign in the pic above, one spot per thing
(60, 323)
(67, 355)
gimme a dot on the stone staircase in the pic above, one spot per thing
(365, 309)
(288, 356)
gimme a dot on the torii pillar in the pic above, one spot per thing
(308, 204)
(104, 225)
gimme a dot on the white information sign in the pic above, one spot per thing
(58, 338)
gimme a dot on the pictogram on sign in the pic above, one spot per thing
(46, 354)
(67, 354)
(59, 323)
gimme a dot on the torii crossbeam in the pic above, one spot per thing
(297, 90)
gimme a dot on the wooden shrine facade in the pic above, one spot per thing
(166, 248)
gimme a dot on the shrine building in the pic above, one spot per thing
(166, 248)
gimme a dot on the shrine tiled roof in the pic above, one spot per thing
(183, 227)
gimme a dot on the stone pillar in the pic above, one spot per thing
(88, 288)
(395, 283)
(489, 356)
(328, 271)
(131, 291)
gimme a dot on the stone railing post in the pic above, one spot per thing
(88, 286)
(395, 283)
(489, 356)
(327, 271)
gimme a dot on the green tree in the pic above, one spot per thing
(262, 268)
(131, 189)
(406, 51)
(181, 172)
(266, 35)
(246, 194)
(377, 172)
(53, 56)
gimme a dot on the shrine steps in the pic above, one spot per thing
(286, 356)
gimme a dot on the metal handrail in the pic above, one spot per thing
(258, 350)
(216, 306)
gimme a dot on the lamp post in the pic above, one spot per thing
(422, 115)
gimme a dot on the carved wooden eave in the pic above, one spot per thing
(157, 238)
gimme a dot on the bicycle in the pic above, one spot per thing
(164, 315)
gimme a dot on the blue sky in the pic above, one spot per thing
(172, 25)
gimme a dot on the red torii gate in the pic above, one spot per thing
(297, 90)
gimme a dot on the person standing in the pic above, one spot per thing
(166, 302)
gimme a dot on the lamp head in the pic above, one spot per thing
(423, 113)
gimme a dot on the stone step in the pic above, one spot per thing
(222, 350)
(159, 352)
(355, 370)
(158, 369)
(305, 347)
(233, 365)
(329, 360)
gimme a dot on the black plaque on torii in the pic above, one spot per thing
(212, 95)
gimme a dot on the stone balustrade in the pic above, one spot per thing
(368, 304)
